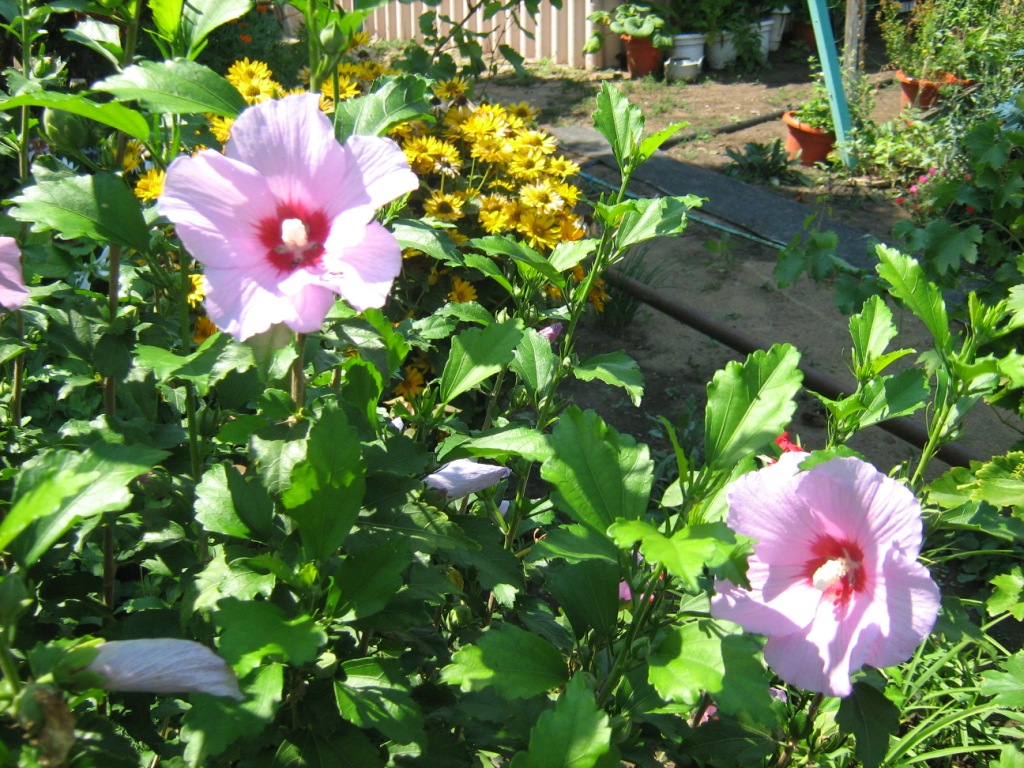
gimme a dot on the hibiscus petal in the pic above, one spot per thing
(163, 665)
(363, 272)
(383, 171)
(12, 279)
(859, 503)
(464, 476)
(291, 143)
(215, 204)
(240, 304)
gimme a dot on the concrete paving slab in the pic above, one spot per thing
(767, 215)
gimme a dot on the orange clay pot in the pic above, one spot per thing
(924, 93)
(642, 58)
(808, 145)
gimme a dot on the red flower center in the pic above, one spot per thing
(836, 569)
(294, 236)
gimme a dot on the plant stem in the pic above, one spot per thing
(298, 373)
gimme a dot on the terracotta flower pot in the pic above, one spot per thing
(642, 58)
(809, 145)
(924, 93)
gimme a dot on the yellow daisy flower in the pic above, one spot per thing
(541, 197)
(571, 229)
(562, 166)
(243, 72)
(132, 156)
(204, 329)
(524, 111)
(535, 142)
(462, 291)
(540, 229)
(257, 91)
(359, 37)
(569, 193)
(196, 292)
(526, 165)
(412, 384)
(598, 297)
(451, 89)
(348, 88)
(220, 127)
(150, 185)
(444, 206)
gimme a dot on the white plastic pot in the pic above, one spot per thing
(683, 70)
(721, 50)
(689, 46)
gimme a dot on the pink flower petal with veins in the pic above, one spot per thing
(163, 665)
(283, 221)
(12, 279)
(835, 581)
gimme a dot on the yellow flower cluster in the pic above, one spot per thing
(490, 170)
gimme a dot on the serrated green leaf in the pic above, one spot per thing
(568, 253)
(373, 695)
(575, 734)
(598, 474)
(683, 554)
(687, 662)
(871, 330)
(587, 591)
(890, 397)
(344, 747)
(528, 261)
(615, 368)
(535, 363)
(1006, 687)
(395, 100)
(1007, 596)
(180, 87)
(326, 489)
(575, 543)
(111, 468)
(1000, 481)
(232, 504)
(871, 718)
(642, 220)
(499, 443)
(516, 663)
(750, 404)
(369, 579)
(621, 123)
(908, 283)
(116, 116)
(200, 17)
(217, 357)
(100, 207)
(476, 355)
(412, 233)
(253, 630)
(220, 579)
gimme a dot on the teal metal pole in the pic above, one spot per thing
(833, 77)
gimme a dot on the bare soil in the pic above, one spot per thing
(724, 276)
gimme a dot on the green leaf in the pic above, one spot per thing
(687, 662)
(98, 36)
(588, 592)
(476, 355)
(228, 502)
(1008, 594)
(181, 87)
(99, 206)
(892, 396)
(110, 467)
(166, 16)
(394, 100)
(343, 747)
(871, 331)
(516, 663)
(217, 357)
(871, 718)
(412, 233)
(220, 579)
(652, 143)
(535, 363)
(568, 253)
(684, 554)
(253, 630)
(1000, 481)
(212, 723)
(621, 123)
(575, 543)
(908, 283)
(529, 262)
(116, 116)
(615, 368)
(1006, 688)
(641, 220)
(946, 245)
(728, 743)
(200, 17)
(598, 474)
(374, 694)
(327, 487)
(575, 734)
(369, 579)
(500, 443)
(750, 404)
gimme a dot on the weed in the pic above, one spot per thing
(767, 163)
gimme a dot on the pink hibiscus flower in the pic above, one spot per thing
(835, 582)
(283, 220)
(12, 280)
(465, 476)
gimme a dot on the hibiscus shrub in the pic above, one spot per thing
(291, 479)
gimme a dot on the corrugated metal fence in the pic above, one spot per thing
(557, 34)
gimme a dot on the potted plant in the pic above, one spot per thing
(644, 29)
(810, 130)
(938, 45)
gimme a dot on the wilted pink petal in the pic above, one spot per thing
(551, 332)
(164, 665)
(464, 476)
(12, 280)
(283, 221)
(835, 582)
